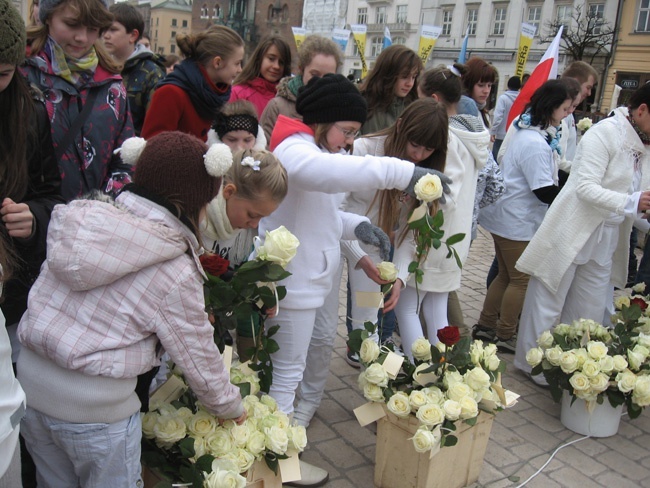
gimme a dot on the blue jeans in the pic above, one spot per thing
(96, 455)
(643, 274)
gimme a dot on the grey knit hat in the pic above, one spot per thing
(12, 35)
(46, 6)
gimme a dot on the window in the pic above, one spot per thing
(499, 21)
(185, 23)
(173, 34)
(355, 49)
(399, 40)
(216, 12)
(381, 15)
(376, 46)
(401, 14)
(157, 20)
(362, 16)
(174, 23)
(596, 14)
(534, 17)
(447, 18)
(472, 20)
(563, 15)
(172, 49)
(643, 21)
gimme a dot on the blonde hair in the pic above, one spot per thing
(203, 46)
(90, 13)
(314, 45)
(270, 179)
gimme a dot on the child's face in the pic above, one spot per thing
(481, 92)
(75, 39)
(561, 112)
(417, 153)
(405, 84)
(341, 135)
(272, 65)
(238, 139)
(320, 65)
(118, 42)
(228, 69)
(7, 72)
(246, 214)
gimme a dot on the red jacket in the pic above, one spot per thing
(258, 91)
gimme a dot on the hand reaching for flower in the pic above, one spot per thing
(371, 270)
(419, 173)
(373, 236)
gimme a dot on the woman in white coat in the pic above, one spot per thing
(583, 243)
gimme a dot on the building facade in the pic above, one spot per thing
(236, 14)
(275, 18)
(169, 18)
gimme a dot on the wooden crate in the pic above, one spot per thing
(259, 476)
(398, 465)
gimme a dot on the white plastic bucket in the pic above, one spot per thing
(602, 421)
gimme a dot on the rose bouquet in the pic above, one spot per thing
(185, 443)
(592, 362)
(584, 124)
(449, 382)
(248, 293)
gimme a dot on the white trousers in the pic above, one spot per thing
(584, 292)
(434, 310)
(306, 340)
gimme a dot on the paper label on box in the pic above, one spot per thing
(392, 364)
(425, 379)
(290, 467)
(227, 357)
(170, 390)
(369, 299)
(511, 398)
(369, 413)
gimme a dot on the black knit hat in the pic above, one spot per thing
(332, 98)
(12, 35)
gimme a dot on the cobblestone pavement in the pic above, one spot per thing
(522, 439)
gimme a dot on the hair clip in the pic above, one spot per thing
(454, 70)
(252, 162)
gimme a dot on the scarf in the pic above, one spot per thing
(206, 97)
(551, 135)
(75, 71)
(295, 83)
(645, 138)
(216, 225)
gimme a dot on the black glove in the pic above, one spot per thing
(374, 236)
(420, 172)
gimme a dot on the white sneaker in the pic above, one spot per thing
(311, 476)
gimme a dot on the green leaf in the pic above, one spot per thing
(244, 389)
(438, 220)
(271, 331)
(204, 463)
(413, 265)
(272, 346)
(370, 326)
(455, 239)
(187, 447)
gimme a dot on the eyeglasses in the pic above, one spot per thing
(348, 133)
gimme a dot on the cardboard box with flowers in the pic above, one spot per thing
(586, 363)
(445, 399)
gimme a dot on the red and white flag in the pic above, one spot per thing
(544, 71)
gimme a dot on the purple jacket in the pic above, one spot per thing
(89, 162)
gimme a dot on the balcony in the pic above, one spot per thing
(378, 2)
(401, 27)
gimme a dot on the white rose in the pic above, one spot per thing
(459, 390)
(452, 409)
(428, 188)
(596, 350)
(546, 340)
(582, 356)
(635, 359)
(219, 442)
(584, 124)
(606, 364)
(626, 381)
(434, 395)
(270, 402)
(259, 410)
(399, 404)
(451, 378)
(248, 402)
(168, 430)
(297, 437)
(373, 393)
(199, 448)
(534, 356)
(376, 374)
(431, 414)
(424, 440)
(417, 399)
(468, 408)
(568, 362)
(643, 340)
(220, 478)
(201, 424)
(256, 443)
(387, 271)
(591, 368)
(587, 395)
(553, 355)
(244, 459)
(639, 287)
(240, 433)
(280, 246)
(641, 395)
(492, 363)
(268, 421)
(369, 351)
(149, 420)
(622, 301)
(185, 413)
(580, 382)
(476, 352)
(476, 379)
(599, 383)
(489, 350)
(561, 329)
(620, 363)
(276, 439)
(421, 349)
(283, 419)
(642, 350)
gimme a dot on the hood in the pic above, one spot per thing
(511, 94)
(285, 127)
(260, 139)
(92, 243)
(142, 52)
(284, 91)
(473, 136)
